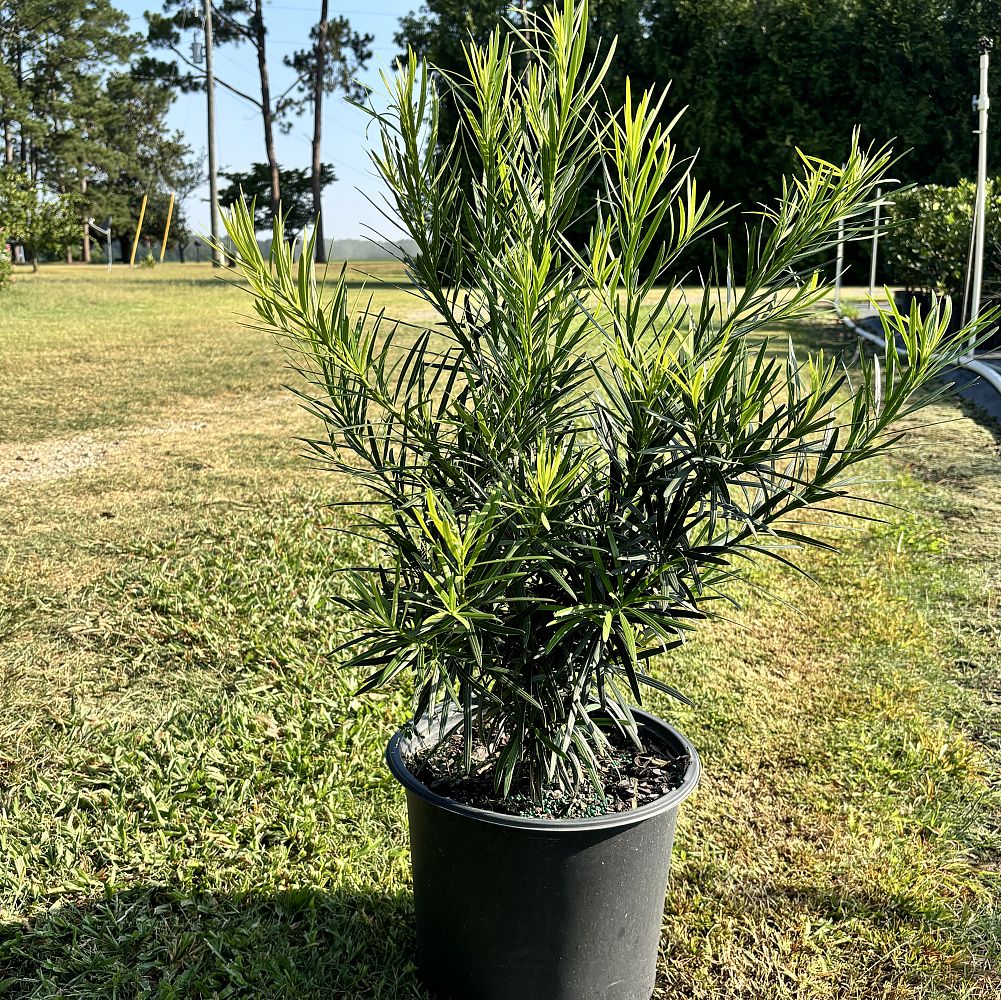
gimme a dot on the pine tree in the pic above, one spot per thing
(328, 66)
(336, 54)
(75, 115)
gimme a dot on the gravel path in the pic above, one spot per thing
(34, 461)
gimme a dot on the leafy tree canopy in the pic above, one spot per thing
(760, 77)
(77, 114)
(255, 185)
(41, 222)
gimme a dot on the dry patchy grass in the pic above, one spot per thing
(193, 802)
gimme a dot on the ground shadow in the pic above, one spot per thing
(157, 941)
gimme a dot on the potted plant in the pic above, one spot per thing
(562, 472)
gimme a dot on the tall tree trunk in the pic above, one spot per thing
(8, 144)
(267, 111)
(19, 75)
(86, 226)
(320, 72)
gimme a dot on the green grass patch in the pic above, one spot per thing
(193, 802)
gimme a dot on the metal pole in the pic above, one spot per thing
(979, 210)
(875, 244)
(840, 266)
(210, 91)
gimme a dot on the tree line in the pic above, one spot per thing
(84, 132)
(758, 78)
(84, 99)
(83, 106)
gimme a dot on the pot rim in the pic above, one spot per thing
(397, 765)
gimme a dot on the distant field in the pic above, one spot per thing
(85, 348)
(193, 802)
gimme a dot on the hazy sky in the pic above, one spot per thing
(240, 134)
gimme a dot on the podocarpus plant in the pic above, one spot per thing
(567, 467)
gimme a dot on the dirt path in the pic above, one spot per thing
(23, 462)
(56, 458)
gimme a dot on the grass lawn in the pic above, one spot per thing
(193, 803)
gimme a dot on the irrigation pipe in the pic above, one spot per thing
(990, 375)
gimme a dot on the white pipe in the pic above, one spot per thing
(979, 209)
(990, 375)
(875, 244)
(839, 267)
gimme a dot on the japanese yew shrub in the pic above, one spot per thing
(568, 466)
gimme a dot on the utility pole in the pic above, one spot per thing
(210, 91)
(982, 105)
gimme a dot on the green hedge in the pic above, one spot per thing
(927, 246)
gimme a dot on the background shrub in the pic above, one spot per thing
(928, 244)
(5, 265)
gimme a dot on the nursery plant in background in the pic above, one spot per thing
(564, 471)
(927, 243)
(42, 223)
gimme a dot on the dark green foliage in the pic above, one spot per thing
(570, 480)
(761, 77)
(347, 53)
(255, 185)
(77, 117)
(927, 243)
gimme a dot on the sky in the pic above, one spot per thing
(240, 133)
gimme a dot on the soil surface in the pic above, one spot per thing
(631, 777)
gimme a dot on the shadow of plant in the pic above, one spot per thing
(159, 942)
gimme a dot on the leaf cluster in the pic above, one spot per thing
(567, 469)
(43, 222)
(297, 194)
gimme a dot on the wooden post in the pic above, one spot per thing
(139, 229)
(166, 228)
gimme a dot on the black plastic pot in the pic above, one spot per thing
(517, 908)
